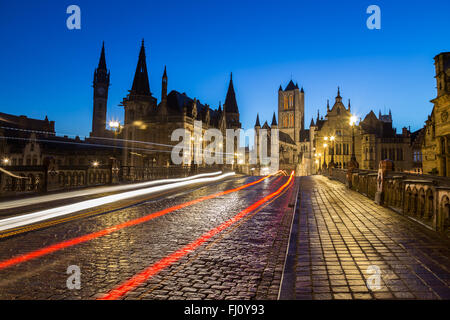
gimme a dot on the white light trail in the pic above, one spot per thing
(26, 219)
(87, 192)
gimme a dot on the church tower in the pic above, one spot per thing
(101, 85)
(139, 104)
(291, 110)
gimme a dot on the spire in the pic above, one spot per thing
(274, 120)
(230, 100)
(220, 106)
(140, 83)
(164, 85)
(312, 123)
(328, 105)
(349, 105)
(318, 116)
(102, 61)
(257, 124)
(302, 91)
(280, 89)
(338, 97)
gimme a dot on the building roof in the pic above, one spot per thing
(284, 137)
(291, 86)
(141, 84)
(25, 123)
(230, 100)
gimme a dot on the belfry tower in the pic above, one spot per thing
(101, 85)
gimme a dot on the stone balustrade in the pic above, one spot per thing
(52, 177)
(424, 198)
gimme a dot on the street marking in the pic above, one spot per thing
(68, 243)
(167, 261)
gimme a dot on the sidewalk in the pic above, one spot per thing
(339, 234)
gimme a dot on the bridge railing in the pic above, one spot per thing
(17, 180)
(424, 198)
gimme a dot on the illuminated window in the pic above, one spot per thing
(285, 102)
(291, 101)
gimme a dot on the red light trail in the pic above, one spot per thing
(72, 242)
(165, 262)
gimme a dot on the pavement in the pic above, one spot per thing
(342, 239)
(339, 245)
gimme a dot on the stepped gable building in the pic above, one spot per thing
(436, 140)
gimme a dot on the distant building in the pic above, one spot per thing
(148, 124)
(375, 139)
(436, 140)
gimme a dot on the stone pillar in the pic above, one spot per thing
(383, 168)
(51, 182)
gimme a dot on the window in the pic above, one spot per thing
(291, 101)
(285, 102)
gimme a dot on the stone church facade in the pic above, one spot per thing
(148, 124)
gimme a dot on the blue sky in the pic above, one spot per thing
(47, 69)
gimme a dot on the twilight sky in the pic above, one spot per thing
(47, 69)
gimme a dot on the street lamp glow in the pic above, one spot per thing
(332, 138)
(95, 164)
(5, 160)
(353, 120)
(114, 124)
(325, 145)
(325, 138)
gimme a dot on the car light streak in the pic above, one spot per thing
(141, 277)
(29, 218)
(98, 190)
(68, 243)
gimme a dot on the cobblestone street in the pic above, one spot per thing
(338, 239)
(244, 261)
(338, 234)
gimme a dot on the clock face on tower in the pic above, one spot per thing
(101, 91)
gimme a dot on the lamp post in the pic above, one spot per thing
(332, 138)
(115, 127)
(325, 154)
(352, 124)
(353, 163)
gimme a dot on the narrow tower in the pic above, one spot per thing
(164, 85)
(291, 111)
(101, 85)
